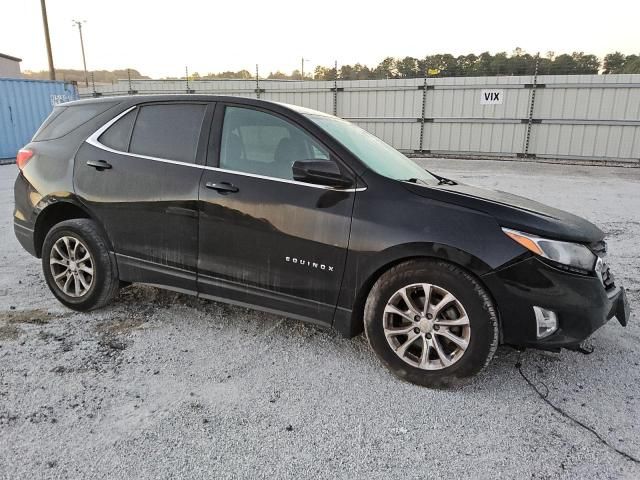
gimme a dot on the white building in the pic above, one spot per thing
(9, 66)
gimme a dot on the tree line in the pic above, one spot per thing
(471, 65)
(485, 64)
(439, 65)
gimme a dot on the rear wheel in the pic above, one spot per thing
(77, 265)
(431, 323)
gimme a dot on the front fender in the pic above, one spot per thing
(399, 253)
(391, 224)
(348, 318)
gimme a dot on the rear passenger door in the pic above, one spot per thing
(139, 174)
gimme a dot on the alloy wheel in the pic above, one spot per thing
(426, 326)
(72, 266)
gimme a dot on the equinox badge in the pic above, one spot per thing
(307, 263)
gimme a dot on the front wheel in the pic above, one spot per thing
(431, 323)
(77, 265)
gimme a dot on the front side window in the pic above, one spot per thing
(264, 144)
(168, 131)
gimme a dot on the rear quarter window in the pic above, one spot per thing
(64, 120)
(118, 135)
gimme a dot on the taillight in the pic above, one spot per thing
(24, 155)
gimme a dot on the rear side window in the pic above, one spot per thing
(63, 120)
(119, 134)
(168, 131)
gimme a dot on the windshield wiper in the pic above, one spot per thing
(446, 181)
(443, 180)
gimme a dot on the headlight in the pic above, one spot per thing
(565, 253)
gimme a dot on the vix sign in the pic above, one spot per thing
(491, 97)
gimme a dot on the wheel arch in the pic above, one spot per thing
(54, 211)
(401, 254)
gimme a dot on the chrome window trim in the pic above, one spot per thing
(283, 180)
(93, 140)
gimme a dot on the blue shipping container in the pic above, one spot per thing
(24, 104)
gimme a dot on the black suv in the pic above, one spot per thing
(297, 212)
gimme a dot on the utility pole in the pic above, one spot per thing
(52, 71)
(79, 23)
(302, 67)
(257, 82)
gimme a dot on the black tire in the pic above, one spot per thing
(480, 310)
(104, 285)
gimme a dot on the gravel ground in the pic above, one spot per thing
(163, 385)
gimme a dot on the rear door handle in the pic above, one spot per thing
(99, 165)
(222, 187)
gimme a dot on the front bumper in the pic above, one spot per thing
(581, 303)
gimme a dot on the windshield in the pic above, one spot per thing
(373, 152)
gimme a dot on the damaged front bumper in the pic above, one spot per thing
(581, 303)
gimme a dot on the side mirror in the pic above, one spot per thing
(320, 172)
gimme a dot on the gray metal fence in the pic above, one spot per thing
(588, 117)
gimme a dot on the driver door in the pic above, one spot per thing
(265, 239)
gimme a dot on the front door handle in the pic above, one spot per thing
(225, 187)
(99, 165)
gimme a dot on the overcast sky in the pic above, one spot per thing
(160, 37)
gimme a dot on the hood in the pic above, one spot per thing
(513, 211)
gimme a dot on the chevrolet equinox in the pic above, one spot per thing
(301, 213)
